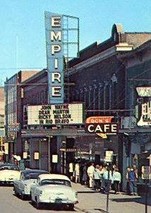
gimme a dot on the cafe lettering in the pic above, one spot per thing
(108, 128)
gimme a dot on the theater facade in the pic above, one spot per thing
(82, 108)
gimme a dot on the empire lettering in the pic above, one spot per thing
(56, 58)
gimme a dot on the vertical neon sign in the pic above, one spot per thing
(55, 62)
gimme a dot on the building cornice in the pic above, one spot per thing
(124, 47)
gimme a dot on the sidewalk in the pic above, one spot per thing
(96, 202)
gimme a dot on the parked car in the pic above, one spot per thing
(53, 189)
(9, 173)
(27, 178)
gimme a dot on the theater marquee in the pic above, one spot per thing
(55, 114)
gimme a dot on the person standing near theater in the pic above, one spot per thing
(127, 180)
(71, 170)
(77, 172)
(97, 178)
(84, 174)
(90, 171)
(107, 179)
(132, 178)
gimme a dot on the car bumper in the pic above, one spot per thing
(56, 201)
(6, 182)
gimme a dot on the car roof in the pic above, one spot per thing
(28, 171)
(8, 164)
(53, 176)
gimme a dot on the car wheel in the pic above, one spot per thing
(15, 192)
(38, 205)
(71, 207)
(22, 196)
(32, 202)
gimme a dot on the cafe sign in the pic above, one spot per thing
(101, 124)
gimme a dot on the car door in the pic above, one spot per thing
(33, 188)
(21, 183)
(17, 184)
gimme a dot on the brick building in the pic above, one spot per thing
(138, 97)
(13, 111)
(103, 75)
(2, 125)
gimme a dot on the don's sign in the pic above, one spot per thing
(101, 124)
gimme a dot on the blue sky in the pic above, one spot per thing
(22, 34)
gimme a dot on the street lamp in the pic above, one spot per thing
(108, 160)
(63, 157)
(49, 153)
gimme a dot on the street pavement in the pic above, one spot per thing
(91, 201)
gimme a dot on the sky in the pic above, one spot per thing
(22, 34)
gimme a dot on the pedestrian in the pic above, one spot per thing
(97, 178)
(77, 173)
(132, 178)
(71, 169)
(84, 174)
(127, 181)
(90, 171)
(136, 171)
(116, 180)
(107, 179)
(101, 177)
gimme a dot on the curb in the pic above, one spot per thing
(91, 210)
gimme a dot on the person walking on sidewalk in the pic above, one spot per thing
(90, 171)
(116, 180)
(77, 172)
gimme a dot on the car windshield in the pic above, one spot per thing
(56, 182)
(9, 167)
(31, 176)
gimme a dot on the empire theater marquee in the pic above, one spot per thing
(55, 114)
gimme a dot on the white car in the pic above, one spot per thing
(9, 173)
(27, 178)
(53, 189)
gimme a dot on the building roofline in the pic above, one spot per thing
(139, 49)
(34, 76)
